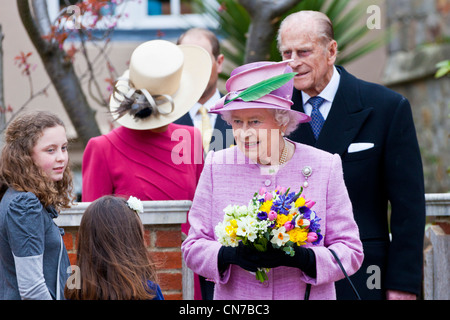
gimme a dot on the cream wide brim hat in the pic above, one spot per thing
(161, 67)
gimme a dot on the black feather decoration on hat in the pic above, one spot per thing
(136, 106)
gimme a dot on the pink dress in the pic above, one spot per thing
(143, 164)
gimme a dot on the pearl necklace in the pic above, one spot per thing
(284, 153)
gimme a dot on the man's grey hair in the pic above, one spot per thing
(325, 30)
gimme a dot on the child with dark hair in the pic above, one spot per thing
(112, 258)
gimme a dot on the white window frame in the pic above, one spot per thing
(136, 17)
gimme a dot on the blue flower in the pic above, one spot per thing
(314, 225)
(305, 211)
(283, 203)
(262, 215)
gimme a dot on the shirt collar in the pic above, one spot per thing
(330, 90)
(208, 104)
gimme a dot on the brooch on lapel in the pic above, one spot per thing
(307, 172)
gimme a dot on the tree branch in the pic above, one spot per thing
(265, 17)
(61, 72)
(41, 15)
(280, 7)
(31, 27)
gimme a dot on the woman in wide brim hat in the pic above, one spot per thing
(163, 82)
(139, 157)
(258, 107)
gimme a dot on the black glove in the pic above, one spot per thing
(304, 259)
(241, 256)
(251, 260)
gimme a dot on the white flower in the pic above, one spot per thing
(247, 227)
(242, 211)
(301, 222)
(135, 204)
(280, 237)
(293, 210)
(228, 210)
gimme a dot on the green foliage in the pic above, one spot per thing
(349, 26)
(443, 69)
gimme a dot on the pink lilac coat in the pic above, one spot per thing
(229, 177)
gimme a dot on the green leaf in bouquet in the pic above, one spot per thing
(297, 195)
(261, 275)
(264, 87)
(275, 246)
(259, 247)
(288, 248)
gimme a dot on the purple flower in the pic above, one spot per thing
(283, 203)
(262, 215)
(314, 224)
(305, 211)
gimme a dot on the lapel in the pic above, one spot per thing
(185, 120)
(346, 117)
(222, 126)
(304, 133)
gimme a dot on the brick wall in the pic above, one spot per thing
(162, 235)
(163, 242)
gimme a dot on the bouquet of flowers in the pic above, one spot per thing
(279, 218)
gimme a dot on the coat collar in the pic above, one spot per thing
(344, 121)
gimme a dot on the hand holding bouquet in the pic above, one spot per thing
(281, 219)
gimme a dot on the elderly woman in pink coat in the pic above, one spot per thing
(264, 158)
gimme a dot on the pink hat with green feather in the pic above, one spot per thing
(263, 84)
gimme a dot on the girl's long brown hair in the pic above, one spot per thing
(17, 168)
(112, 258)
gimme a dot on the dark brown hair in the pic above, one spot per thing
(17, 168)
(112, 258)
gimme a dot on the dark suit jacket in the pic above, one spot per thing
(222, 136)
(391, 172)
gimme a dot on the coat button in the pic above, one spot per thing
(267, 182)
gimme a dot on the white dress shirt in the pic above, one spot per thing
(197, 117)
(328, 94)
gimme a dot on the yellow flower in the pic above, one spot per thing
(298, 236)
(266, 206)
(231, 231)
(300, 202)
(282, 219)
(234, 223)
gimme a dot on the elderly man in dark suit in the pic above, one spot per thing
(215, 133)
(372, 129)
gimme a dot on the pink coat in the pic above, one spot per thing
(230, 178)
(140, 163)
